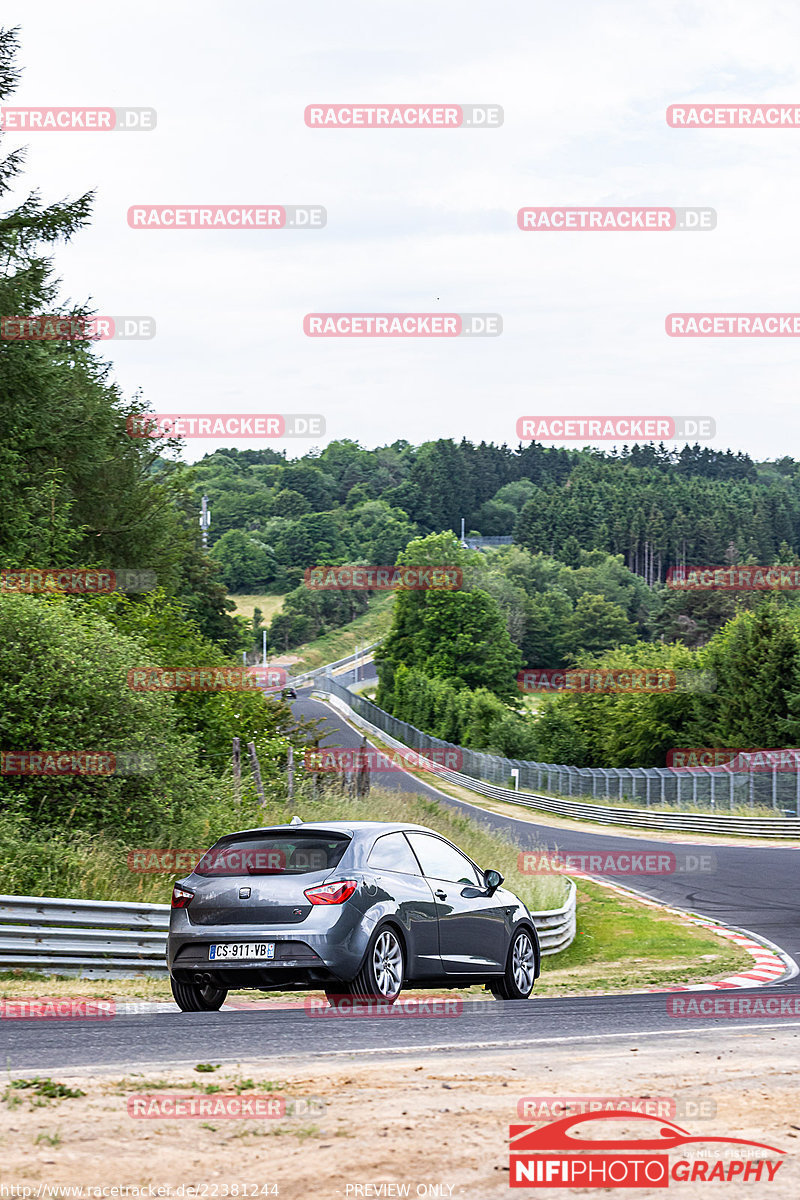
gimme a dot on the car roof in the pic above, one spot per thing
(353, 828)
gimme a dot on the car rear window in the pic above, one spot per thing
(276, 854)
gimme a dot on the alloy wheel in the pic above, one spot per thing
(523, 963)
(387, 964)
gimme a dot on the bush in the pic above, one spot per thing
(63, 687)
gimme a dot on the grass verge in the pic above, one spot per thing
(246, 603)
(622, 945)
(367, 628)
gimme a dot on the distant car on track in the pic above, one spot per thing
(355, 908)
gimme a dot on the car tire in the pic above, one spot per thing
(520, 973)
(381, 976)
(194, 997)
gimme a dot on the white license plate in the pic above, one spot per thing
(239, 950)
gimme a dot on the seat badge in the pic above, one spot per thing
(244, 893)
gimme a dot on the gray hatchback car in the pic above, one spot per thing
(356, 908)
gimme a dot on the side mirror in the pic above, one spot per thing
(493, 880)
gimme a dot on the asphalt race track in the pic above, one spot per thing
(160, 1039)
(753, 888)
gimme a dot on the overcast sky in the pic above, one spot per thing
(426, 220)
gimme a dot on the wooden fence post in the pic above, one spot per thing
(237, 771)
(362, 774)
(315, 773)
(251, 750)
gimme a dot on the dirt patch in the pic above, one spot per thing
(424, 1121)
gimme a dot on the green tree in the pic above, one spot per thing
(76, 489)
(464, 639)
(377, 532)
(596, 625)
(247, 564)
(311, 540)
(290, 503)
(756, 658)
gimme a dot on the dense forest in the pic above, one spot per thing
(655, 506)
(649, 508)
(451, 663)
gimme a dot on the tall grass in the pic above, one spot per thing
(338, 643)
(35, 862)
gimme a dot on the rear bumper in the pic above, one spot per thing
(302, 954)
(295, 963)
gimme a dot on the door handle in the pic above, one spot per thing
(440, 895)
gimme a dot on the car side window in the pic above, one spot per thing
(440, 860)
(392, 853)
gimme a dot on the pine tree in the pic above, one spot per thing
(76, 490)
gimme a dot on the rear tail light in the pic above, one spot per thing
(181, 897)
(331, 893)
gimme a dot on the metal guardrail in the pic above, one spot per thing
(778, 827)
(318, 672)
(90, 938)
(116, 940)
(638, 818)
(714, 789)
(480, 543)
(556, 927)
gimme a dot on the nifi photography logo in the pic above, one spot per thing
(552, 1156)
